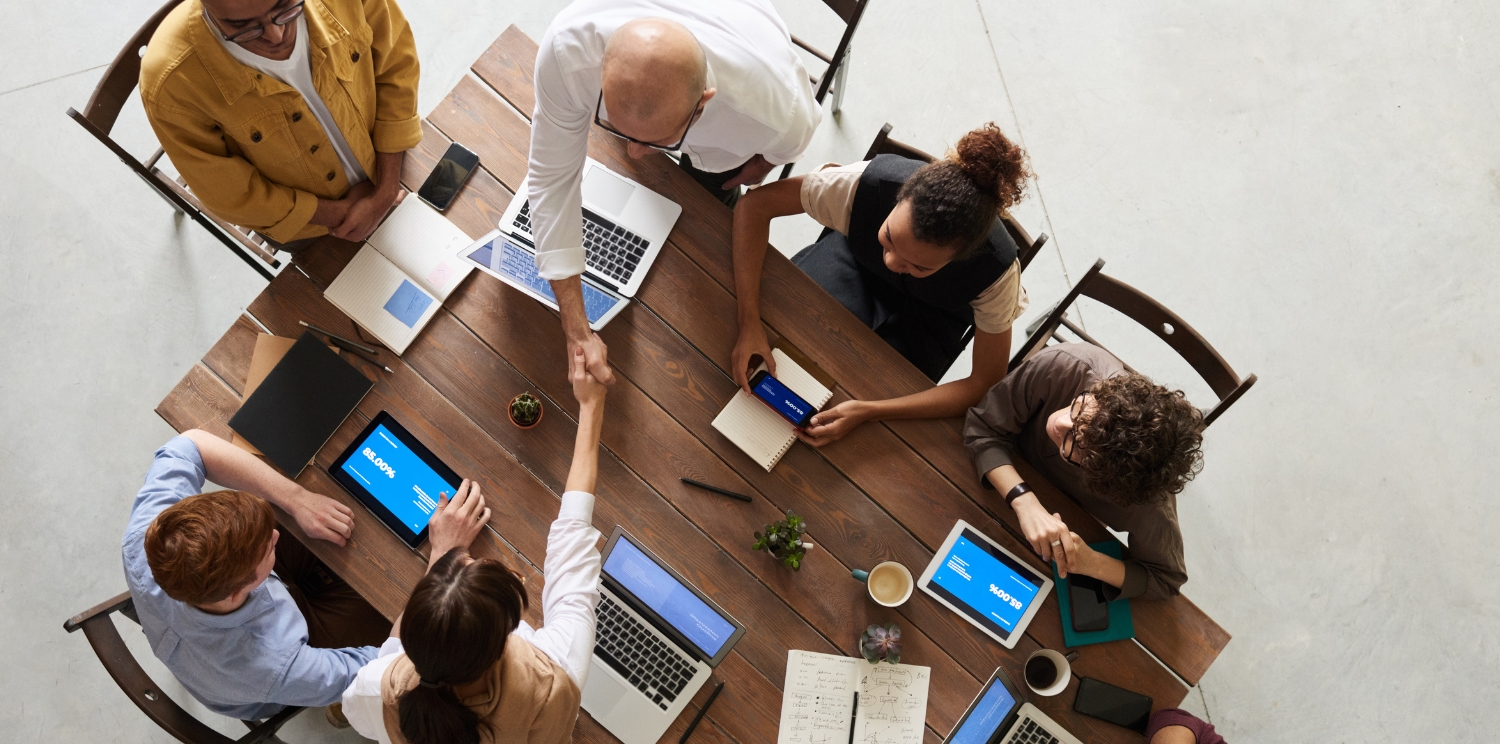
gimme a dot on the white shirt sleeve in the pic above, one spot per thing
(571, 592)
(362, 704)
(559, 144)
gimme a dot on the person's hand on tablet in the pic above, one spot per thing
(457, 521)
(321, 517)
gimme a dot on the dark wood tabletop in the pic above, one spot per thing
(888, 491)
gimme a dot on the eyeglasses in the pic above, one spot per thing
(251, 34)
(602, 124)
(1070, 438)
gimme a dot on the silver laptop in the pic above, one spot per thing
(624, 226)
(1000, 715)
(658, 641)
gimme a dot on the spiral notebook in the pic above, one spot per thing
(761, 432)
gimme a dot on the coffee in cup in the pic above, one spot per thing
(889, 583)
(1047, 672)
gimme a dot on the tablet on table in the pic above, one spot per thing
(395, 476)
(986, 584)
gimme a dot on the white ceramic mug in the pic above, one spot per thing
(1059, 663)
(891, 580)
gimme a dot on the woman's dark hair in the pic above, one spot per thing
(1143, 442)
(454, 628)
(955, 200)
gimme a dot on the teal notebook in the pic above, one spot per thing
(1120, 625)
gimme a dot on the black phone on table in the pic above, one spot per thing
(781, 399)
(1086, 603)
(450, 175)
(1117, 705)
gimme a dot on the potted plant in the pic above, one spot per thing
(783, 540)
(525, 411)
(879, 643)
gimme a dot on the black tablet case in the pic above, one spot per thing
(304, 399)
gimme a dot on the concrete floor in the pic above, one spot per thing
(1311, 190)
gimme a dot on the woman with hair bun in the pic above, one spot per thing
(461, 666)
(916, 251)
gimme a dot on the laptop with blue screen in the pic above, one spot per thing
(514, 263)
(1000, 715)
(659, 639)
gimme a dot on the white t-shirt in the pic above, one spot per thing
(296, 71)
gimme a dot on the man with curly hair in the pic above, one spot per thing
(1119, 445)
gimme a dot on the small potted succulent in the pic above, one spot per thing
(879, 643)
(525, 411)
(783, 540)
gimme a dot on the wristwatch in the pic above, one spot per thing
(1016, 492)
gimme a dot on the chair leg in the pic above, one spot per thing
(840, 79)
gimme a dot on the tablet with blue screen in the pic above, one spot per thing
(395, 476)
(985, 583)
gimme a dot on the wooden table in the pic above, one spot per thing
(886, 492)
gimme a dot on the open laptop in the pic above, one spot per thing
(658, 641)
(624, 226)
(1000, 715)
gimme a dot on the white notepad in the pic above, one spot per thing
(817, 701)
(402, 274)
(761, 432)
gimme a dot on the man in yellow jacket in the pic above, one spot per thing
(287, 117)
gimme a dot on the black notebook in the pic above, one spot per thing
(300, 404)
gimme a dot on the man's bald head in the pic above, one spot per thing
(654, 76)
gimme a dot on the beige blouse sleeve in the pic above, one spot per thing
(998, 306)
(828, 193)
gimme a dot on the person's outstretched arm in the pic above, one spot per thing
(229, 466)
(752, 230)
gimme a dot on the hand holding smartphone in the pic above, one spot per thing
(781, 399)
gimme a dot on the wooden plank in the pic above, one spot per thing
(1180, 633)
(230, 356)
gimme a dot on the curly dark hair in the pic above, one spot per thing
(1142, 443)
(955, 200)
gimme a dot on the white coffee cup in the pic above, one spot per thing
(1060, 665)
(889, 583)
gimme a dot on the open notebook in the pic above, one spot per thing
(818, 700)
(402, 274)
(761, 432)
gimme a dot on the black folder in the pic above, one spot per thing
(304, 399)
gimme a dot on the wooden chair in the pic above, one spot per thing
(127, 673)
(1167, 326)
(836, 75)
(884, 145)
(98, 118)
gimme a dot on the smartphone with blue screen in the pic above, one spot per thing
(781, 399)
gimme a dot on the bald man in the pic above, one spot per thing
(717, 82)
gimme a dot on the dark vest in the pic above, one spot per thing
(949, 289)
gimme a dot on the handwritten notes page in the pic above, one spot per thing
(817, 704)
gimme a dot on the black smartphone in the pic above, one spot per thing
(781, 399)
(1087, 604)
(1106, 702)
(443, 184)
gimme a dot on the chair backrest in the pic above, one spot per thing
(123, 75)
(97, 626)
(884, 145)
(850, 11)
(1165, 324)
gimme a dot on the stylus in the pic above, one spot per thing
(355, 344)
(716, 489)
(701, 711)
(346, 346)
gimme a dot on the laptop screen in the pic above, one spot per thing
(665, 595)
(989, 712)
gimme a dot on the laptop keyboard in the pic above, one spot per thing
(520, 265)
(608, 249)
(639, 655)
(1029, 732)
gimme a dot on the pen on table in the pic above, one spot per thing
(716, 489)
(346, 346)
(330, 334)
(701, 711)
(853, 715)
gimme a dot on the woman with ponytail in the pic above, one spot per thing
(916, 251)
(461, 666)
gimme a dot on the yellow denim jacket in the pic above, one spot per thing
(246, 143)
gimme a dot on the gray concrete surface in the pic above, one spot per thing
(1312, 187)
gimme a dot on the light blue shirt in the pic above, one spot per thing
(250, 663)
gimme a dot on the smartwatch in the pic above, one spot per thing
(1016, 492)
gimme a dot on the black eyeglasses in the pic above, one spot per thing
(602, 124)
(1070, 438)
(251, 34)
